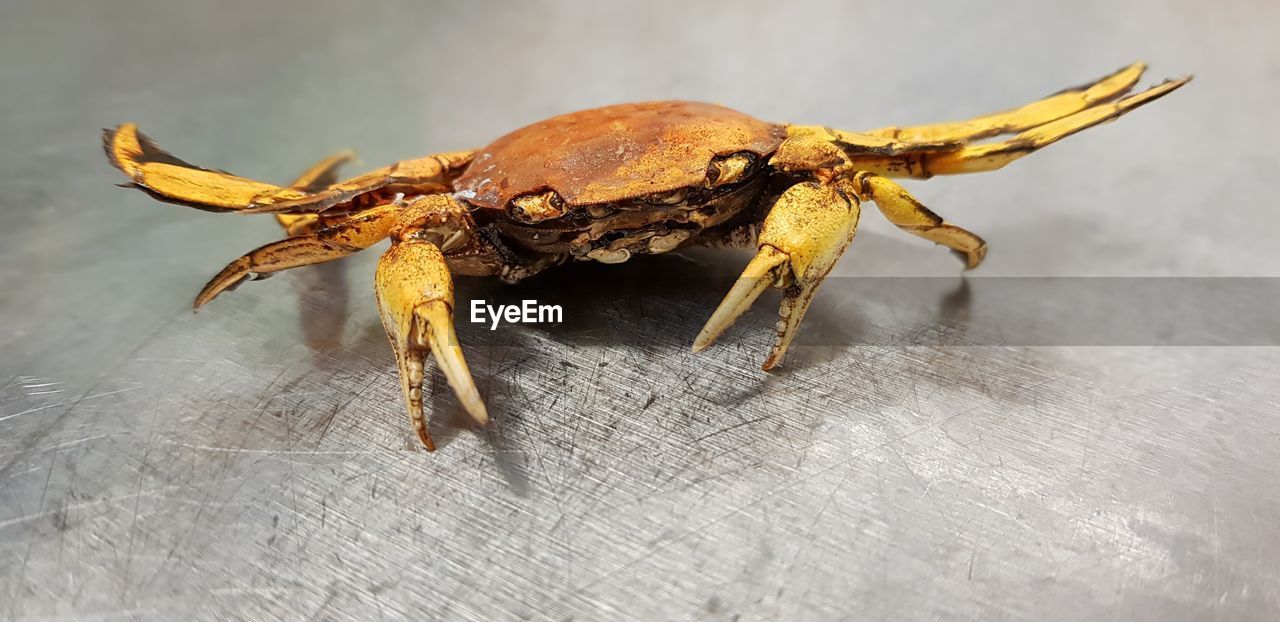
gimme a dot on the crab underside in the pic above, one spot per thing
(605, 185)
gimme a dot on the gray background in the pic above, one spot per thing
(253, 461)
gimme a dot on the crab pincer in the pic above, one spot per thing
(805, 233)
(415, 297)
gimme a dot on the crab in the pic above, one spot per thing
(605, 185)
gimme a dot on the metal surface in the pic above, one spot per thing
(253, 461)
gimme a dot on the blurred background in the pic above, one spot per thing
(253, 462)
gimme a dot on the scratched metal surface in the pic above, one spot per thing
(252, 462)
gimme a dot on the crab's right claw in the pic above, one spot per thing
(415, 296)
(766, 268)
(806, 231)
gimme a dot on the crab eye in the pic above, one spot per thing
(729, 169)
(533, 208)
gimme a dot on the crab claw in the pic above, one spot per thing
(415, 296)
(803, 236)
(762, 272)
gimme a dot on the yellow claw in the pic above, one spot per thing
(757, 277)
(803, 236)
(415, 296)
(433, 323)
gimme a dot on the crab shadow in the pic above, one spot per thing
(648, 311)
(323, 293)
(653, 307)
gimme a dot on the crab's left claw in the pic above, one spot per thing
(806, 231)
(415, 296)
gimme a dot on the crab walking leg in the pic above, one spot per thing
(324, 173)
(170, 179)
(421, 175)
(806, 231)
(350, 235)
(911, 216)
(992, 156)
(299, 224)
(1056, 106)
(415, 297)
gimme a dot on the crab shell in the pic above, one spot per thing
(607, 183)
(613, 154)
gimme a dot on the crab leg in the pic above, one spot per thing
(806, 231)
(429, 174)
(323, 173)
(992, 156)
(170, 179)
(1056, 106)
(415, 296)
(911, 216)
(350, 235)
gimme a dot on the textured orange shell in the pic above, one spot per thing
(611, 154)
